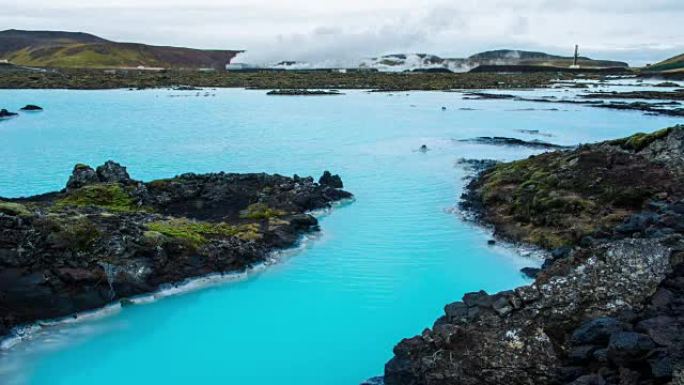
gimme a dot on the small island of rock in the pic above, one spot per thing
(106, 237)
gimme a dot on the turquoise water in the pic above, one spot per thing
(330, 312)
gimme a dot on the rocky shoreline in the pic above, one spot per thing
(664, 103)
(607, 306)
(367, 80)
(107, 237)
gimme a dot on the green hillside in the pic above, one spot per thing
(672, 64)
(79, 50)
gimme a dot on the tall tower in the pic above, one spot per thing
(574, 62)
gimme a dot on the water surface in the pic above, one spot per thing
(382, 268)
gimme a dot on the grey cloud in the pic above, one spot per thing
(337, 30)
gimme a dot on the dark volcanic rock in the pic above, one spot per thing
(31, 107)
(6, 114)
(303, 92)
(503, 141)
(112, 172)
(607, 306)
(625, 347)
(596, 331)
(530, 272)
(107, 237)
(82, 175)
(328, 179)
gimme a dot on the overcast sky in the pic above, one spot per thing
(638, 31)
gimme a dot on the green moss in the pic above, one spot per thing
(77, 233)
(159, 183)
(110, 197)
(198, 233)
(639, 141)
(11, 208)
(81, 166)
(261, 211)
(547, 239)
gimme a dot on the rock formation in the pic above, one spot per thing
(607, 307)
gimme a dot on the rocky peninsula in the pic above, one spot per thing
(106, 237)
(608, 304)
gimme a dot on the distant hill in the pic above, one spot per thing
(422, 61)
(81, 50)
(517, 57)
(673, 64)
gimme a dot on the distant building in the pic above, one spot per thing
(4, 61)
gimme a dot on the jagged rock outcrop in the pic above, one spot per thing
(107, 237)
(327, 179)
(607, 306)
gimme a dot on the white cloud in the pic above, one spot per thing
(343, 30)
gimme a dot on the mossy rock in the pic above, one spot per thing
(261, 211)
(159, 183)
(639, 141)
(108, 196)
(198, 233)
(15, 209)
(77, 233)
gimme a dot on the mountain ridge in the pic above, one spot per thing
(403, 62)
(62, 49)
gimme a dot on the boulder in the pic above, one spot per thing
(581, 354)
(530, 272)
(479, 298)
(112, 172)
(637, 223)
(81, 175)
(661, 364)
(626, 347)
(596, 331)
(327, 179)
(664, 330)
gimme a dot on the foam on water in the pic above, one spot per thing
(330, 311)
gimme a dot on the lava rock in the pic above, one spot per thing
(530, 272)
(637, 223)
(596, 331)
(112, 172)
(480, 299)
(81, 175)
(456, 311)
(661, 364)
(7, 114)
(625, 347)
(31, 107)
(124, 238)
(664, 330)
(327, 179)
(581, 354)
